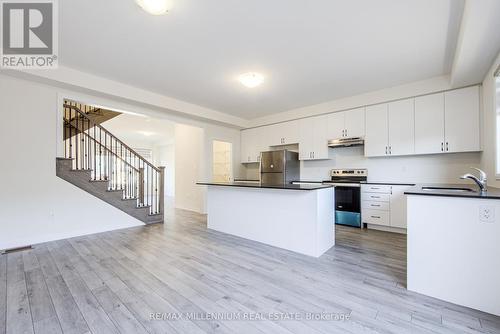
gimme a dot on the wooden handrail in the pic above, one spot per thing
(105, 148)
(112, 136)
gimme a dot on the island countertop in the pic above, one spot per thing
(268, 186)
(491, 193)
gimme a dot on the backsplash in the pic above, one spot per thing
(438, 168)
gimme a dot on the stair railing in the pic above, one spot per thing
(94, 148)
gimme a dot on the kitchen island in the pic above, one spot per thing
(298, 218)
(453, 249)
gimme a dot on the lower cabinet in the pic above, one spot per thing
(384, 205)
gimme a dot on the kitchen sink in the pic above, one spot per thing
(437, 189)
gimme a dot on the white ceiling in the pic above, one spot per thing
(310, 51)
(141, 131)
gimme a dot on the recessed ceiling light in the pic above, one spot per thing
(251, 79)
(155, 7)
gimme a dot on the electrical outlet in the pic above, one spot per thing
(487, 214)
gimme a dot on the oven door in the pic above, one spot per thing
(348, 205)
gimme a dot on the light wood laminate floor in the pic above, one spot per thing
(113, 282)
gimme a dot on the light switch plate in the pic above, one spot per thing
(487, 214)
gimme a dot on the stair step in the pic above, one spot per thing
(99, 180)
(81, 170)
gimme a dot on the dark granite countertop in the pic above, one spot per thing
(267, 186)
(389, 183)
(492, 193)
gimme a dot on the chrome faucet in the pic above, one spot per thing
(481, 181)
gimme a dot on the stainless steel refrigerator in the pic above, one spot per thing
(279, 167)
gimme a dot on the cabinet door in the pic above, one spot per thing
(355, 122)
(461, 120)
(398, 206)
(273, 134)
(320, 137)
(245, 146)
(377, 132)
(261, 142)
(290, 132)
(336, 125)
(306, 138)
(429, 124)
(401, 116)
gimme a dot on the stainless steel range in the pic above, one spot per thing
(347, 184)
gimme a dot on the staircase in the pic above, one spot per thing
(99, 163)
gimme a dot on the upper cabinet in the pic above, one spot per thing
(401, 117)
(390, 129)
(436, 123)
(253, 141)
(429, 124)
(285, 133)
(377, 131)
(313, 139)
(461, 120)
(448, 122)
(346, 124)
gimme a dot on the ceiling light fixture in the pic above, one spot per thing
(154, 7)
(251, 79)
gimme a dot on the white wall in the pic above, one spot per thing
(189, 167)
(439, 168)
(490, 142)
(35, 205)
(164, 155)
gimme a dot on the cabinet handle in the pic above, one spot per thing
(375, 205)
(346, 132)
(375, 196)
(374, 188)
(447, 148)
(378, 217)
(313, 154)
(386, 150)
(442, 146)
(390, 149)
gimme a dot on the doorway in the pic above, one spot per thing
(222, 157)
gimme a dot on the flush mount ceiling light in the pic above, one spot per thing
(154, 7)
(251, 79)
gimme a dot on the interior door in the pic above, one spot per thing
(401, 116)
(377, 132)
(355, 122)
(462, 119)
(429, 124)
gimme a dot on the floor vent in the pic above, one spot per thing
(17, 249)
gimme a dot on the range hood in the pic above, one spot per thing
(344, 142)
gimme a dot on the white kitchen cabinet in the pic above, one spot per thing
(390, 129)
(346, 124)
(285, 133)
(377, 131)
(461, 120)
(448, 122)
(384, 205)
(429, 124)
(313, 139)
(398, 206)
(401, 118)
(253, 141)
(336, 125)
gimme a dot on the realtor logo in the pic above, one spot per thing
(29, 34)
